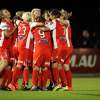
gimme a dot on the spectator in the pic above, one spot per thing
(84, 40)
(95, 40)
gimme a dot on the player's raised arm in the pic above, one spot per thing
(63, 21)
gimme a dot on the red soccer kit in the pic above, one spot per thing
(59, 41)
(24, 37)
(42, 46)
(4, 41)
(69, 43)
(13, 55)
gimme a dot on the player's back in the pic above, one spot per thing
(42, 39)
(60, 34)
(24, 34)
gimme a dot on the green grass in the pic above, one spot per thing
(83, 89)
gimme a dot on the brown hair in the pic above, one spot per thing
(1, 13)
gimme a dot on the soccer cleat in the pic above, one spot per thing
(51, 86)
(4, 88)
(22, 86)
(25, 87)
(34, 88)
(56, 88)
(44, 89)
(64, 88)
(16, 85)
(12, 87)
(70, 89)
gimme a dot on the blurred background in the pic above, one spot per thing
(85, 25)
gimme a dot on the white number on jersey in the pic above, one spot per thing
(41, 33)
(21, 30)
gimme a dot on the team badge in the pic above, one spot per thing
(34, 62)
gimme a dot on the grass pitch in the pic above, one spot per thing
(83, 89)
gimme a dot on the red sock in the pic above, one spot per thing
(44, 77)
(56, 75)
(69, 78)
(23, 81)
(0, 73)
(50, 76)
(40, 80)
(10, 77)
(26, 75)
(4, 77)
(15, 75)
(34, 77)
(62, 76)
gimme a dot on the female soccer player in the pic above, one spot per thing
(59, 49)
(24, 34)
(64, 16)
(6, 32)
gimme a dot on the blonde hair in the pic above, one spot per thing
(26, 16)
(65, 14)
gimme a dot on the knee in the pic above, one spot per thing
(59, 66)
(66, 67)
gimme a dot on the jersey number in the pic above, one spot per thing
(21, 30)
(41, 33)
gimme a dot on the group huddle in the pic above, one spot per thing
(40, 42)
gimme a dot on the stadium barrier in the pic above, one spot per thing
(85, 62)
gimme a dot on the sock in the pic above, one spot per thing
(10, 77)
(4, 77)
(62, 76)
(26, 75)
(15, 75)
(50, 76)
(40, 80)
(69, 78)
(0, 74)
(56, 75)
(23, 81)
(34, 77)
(44, 77)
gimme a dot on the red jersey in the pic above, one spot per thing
(24, 33)
(58, 34)
(68, 34)
(42, 39)
(4, 41)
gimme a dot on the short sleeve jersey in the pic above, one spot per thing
(58, 34)
(5, 42)
(24, 33)
(42, 39)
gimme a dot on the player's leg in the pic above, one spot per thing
(37, 61)
(35, 78)
(40, 78)
(25, 77)
(68, 73)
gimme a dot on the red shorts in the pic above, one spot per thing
(42, 58)
(22, 54)
(12, 54)
(70, 50)
(30, 57)
(62, 53)
(67, 61)
(4, 54)
(54, 56)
